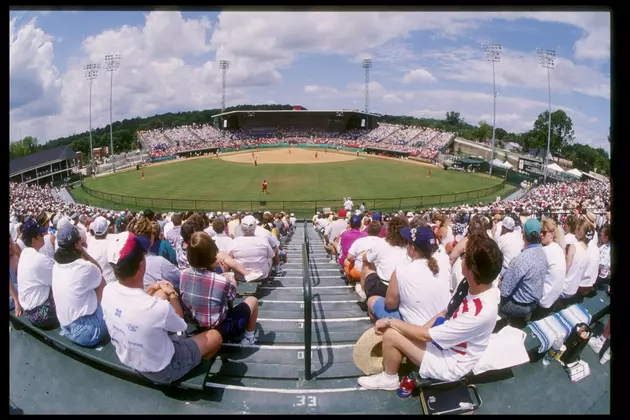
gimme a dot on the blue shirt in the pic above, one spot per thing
(524, 278)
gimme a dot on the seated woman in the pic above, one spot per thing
(160, 246)
(34, 278)
(210, 297)
(77, 286)
(450, 350)
(416, 292)
(382, 259)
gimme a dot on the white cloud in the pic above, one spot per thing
(520, 70)
(428, 113)
(419, 76)
(315, 89)
(170, 63)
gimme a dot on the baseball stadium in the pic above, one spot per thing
(296, 261)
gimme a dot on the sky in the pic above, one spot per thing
(423, 64)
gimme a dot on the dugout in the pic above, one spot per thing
(378, 151)
(271, 123)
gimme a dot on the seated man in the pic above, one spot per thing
(142, 324)
(447, 351)
(210, 297)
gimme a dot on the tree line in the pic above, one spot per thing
(584, 157)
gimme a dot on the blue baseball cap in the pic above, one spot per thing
(68, 235)
(421, 237)
(30, 229)
(376, 217)
(355, 221)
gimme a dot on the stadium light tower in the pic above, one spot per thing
(367, 65)
(112, 62)
(224, 65)
(493, 54)
(91, 71)
(547, 59)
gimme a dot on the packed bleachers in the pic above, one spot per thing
(431, 246)
(419, 141)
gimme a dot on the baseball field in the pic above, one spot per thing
(297, 180)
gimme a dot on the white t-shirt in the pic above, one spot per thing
(576, 271)
(556, 271)
(444, 264)
(592, 266)
(73, 287)
(99, 251)
(466, 335)
(359, 246)
(34, 278)
(422, 294)
(264, 233)
(511, 244)
(387, 258)
(48, 249)
(138, 325)
(223, 242)
(348, 204)
(159, 268)
(253, 253)
(335, 229)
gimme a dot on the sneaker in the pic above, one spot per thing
(379, 381)
(279, 271)
(248, 341)
(605, 358)
(596, 343)
(253, 275)
(359, 290)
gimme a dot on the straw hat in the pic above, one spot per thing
(368, 353)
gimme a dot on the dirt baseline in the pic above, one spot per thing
(288, 156)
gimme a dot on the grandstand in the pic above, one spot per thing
(50, 166)
(342, 128)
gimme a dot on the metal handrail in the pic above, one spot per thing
(308, 305)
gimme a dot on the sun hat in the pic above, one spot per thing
(368, 352)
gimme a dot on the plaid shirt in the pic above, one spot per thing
(206, 296)
(180, 253)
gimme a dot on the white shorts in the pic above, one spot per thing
(438, 364)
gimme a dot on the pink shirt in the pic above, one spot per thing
(347, 239)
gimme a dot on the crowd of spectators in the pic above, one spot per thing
(419, 141)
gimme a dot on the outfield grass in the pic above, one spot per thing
(204, 183)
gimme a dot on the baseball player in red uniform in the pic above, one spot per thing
(264, 187)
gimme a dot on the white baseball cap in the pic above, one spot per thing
(100, 225)
(249, 221)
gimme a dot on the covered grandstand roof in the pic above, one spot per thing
(292, 111)
(40, 158)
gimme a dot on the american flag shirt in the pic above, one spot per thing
(206, 295)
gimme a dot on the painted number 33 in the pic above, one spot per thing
(306, 401)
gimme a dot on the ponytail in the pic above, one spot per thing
(433, 266)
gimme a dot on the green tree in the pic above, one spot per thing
(500, 133)
(484, 131)
(23, 147)
(562, 134)
(453, 119)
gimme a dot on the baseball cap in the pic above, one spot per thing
(422, 237)
(30, 229)
(67, 236)
(342, 213)
(249, 221)
(376, 217)
(508, 223)
(531, 225)
(355, 221)
(100, 225)
(126, 246)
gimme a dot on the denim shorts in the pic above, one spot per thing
(380, 311)
(87, 331)
(186, 357)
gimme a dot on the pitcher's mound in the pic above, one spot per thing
(282, 156)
